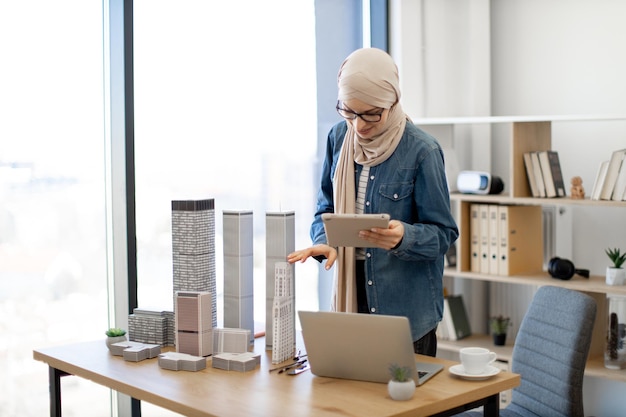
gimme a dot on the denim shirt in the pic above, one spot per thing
(411, 186)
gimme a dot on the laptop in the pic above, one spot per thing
(360, 346)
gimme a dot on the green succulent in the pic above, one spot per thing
(616, 257)
(499, 324)
(115, 331)
(400, 373)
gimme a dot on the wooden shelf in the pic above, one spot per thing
(533, 201)
(595, 365)
(472, 120)
(483, 340)
(593, 284)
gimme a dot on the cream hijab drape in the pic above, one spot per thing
(371, 76)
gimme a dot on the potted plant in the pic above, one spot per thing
(401, 387)
(114, 335)
(615, 275)
(499, 326)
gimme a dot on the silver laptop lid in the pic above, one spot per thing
(358, 346)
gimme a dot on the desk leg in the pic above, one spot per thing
(54, 380)
(135, 407)
(492, 406)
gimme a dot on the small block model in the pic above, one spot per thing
(241, 362)
(134, 351)
(118, 348)
(176, 361)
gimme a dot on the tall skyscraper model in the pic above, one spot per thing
(279, 242)
(284, 320)
(238, 271)
(193, 248)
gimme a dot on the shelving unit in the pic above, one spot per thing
(529, 133)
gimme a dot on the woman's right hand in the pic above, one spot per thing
(321, 249)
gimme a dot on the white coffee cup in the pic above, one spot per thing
(475, 360)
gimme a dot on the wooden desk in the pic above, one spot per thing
(214, 392)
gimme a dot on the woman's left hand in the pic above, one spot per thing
(384, 238)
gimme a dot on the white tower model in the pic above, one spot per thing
(279, 242)
(284, 320)
(238, 271)
(193, 248)
(194, 328)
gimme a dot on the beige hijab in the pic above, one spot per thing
(371, 76)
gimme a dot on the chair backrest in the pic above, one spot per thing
(551, 351)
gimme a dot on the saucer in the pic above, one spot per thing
(459, 371)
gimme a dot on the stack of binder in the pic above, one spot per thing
(505, 240)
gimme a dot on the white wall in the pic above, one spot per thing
(540, 58)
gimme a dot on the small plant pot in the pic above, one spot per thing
(615, 276)
(114, 339)
(401, 391)
(499, 339)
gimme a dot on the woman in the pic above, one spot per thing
(378, 161)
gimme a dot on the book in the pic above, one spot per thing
(460, 327)
(541, 188)
(619, 191)
(483, 247)
(597, 183)
(474, 238)
(493, 239)
(612, 172)
(552, 175)
(446, 325)
(451, 255)
(530, 174)
(503, 240)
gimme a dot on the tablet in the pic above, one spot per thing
(343, 229)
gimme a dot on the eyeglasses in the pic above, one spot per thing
(366, 117)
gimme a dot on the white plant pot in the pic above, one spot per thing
(401, 391)
(110, 340)
(615, 276)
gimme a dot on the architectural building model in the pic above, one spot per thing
(241, 362)
(176, 361)
(192, 326)
(279, 242)
(194, 322)
(284, 314)
(151, 326)
(134, 351)
(238, 271)
(231, 340)
(193, 248)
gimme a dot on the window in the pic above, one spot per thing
(225, 108)
(52, 222)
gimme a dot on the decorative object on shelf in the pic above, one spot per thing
(499, 326)
(401, 387)
(577, 191)
(478, 182)
(114, 335)
(615, 352)
(615, 275)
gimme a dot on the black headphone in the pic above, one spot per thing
(564, 269)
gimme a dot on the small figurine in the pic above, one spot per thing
(577, 191)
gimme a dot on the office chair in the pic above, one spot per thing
(550, 354)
